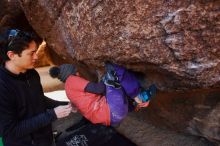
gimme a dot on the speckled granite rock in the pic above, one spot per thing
(176, 41)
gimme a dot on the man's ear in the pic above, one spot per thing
(11, 55)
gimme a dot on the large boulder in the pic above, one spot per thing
(176, 43)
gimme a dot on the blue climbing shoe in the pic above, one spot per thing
(111, 79)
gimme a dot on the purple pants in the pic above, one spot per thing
(118, 104)
(128, 81)
(117, 98)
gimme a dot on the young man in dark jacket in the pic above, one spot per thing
(25, 113)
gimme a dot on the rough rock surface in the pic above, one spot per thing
(177, 41)
(195, 112)
(47, 56)
(144, 134)
(10, 13)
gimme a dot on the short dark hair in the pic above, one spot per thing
(14, 40)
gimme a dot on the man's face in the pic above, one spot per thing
(27, 58)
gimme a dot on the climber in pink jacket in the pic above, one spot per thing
(103, 102)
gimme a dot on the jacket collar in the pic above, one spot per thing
(2, 67)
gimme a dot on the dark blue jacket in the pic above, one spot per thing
(25, 113)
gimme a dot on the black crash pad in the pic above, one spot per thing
(85, 133)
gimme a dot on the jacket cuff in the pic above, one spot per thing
(52, 114)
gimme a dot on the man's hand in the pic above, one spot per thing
(63, 111)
